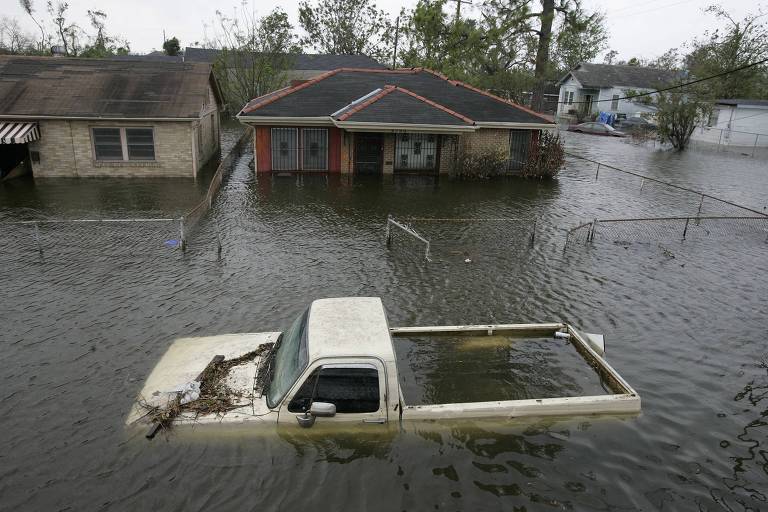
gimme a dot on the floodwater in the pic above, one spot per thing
(83, 325)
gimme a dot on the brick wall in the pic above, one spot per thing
(347, 152)
(389, 153)
(66, 149)
(486, 139)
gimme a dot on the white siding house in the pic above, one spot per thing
(739, 123)
(594, 88)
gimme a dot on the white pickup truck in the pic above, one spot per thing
(337, 363)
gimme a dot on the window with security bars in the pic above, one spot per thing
(123, 144)
(285, 149)
(519, 146)
(315, 149)
(615, 102)
(295, 149)
(416, 151)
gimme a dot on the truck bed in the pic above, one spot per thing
(454, 368)
(510, 370)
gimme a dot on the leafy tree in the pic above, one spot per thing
(172, 47)
(101, 43)
(678, 115)
(560, 25)
(356, 27)
(742, 42)
(256, 54)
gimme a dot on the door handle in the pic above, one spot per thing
(375, 420)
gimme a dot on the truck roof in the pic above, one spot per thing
(349, 326)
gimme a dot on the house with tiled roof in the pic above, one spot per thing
(105, 117)
(384, 121)
(593, 88)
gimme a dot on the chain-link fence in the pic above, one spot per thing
(62, 239)
(463, 239)
(732, 141)
(668, 229)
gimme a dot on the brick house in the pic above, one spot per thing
(384, 121)
(98, 117)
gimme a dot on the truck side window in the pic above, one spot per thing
(351, 390)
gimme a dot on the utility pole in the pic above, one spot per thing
(397, 33)
(458, 7)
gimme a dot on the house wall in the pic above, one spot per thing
(601, 99)
(735, 126)
(341, 148)
(66, 150)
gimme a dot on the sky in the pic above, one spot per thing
(644, 28)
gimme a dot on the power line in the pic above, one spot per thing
(650, 10)
(692, 82)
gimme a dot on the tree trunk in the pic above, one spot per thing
(542, 53)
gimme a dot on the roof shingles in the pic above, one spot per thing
(98, 88)
(336, 90)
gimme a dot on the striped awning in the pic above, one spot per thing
(14, 132)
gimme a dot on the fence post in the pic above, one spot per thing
(426, 253)
(591, 234)
(182, 241)
(698, 213)
(642, 184)
(720, 140)
(685, 230)
(388, 233)
(754, 148)
(597, 172)
(533, 234)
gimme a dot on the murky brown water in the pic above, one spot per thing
(684, 323)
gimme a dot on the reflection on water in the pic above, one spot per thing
(81, 331)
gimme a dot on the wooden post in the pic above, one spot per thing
(754, 148)
(37, 239)
(597, 173)
(685, 230)
(533, 234)
(388, 233)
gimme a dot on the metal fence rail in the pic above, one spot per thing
(405, 228)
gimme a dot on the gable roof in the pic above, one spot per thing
(396, 105)
(610, 75)
(301, 61)
(429, 94)
(102, 88)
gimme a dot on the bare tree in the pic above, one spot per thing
(67, 31)
(13, 39)
(29, 9)
(255, 53)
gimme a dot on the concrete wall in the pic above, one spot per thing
(66, 149)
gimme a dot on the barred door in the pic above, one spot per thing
(519, 145)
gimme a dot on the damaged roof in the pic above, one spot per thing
(102, 88)
(610, 75)
(301, 61)
(421, 97)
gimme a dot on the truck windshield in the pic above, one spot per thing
(290, 360)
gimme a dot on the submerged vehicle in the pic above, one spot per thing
(337, 363)
(597, 129)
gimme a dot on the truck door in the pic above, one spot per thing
(358, 390)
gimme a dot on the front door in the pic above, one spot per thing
(368, 153)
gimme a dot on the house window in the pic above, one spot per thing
(712, 119)
(315, 152)
(416, 151)
(519, 146)
(108, 144)
(353, 390)
(123, 144)
(140, 143)
(569, 97)
(615, 102)
(285, 149)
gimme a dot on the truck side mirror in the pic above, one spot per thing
(322, 410)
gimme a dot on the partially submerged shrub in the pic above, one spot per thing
(480, 165)
(546, 157)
